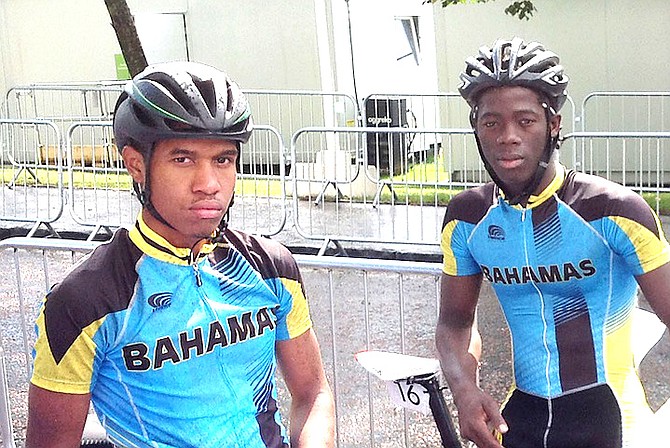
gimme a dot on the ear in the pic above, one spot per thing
(555, 125)
(134, 161)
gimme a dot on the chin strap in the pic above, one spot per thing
(144, 196)
(144, 193)
(218, 236)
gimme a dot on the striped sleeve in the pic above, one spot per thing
(298, 319)
(643, 249)
(457, 259)
(463, 213)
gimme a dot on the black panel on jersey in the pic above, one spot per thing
(108, 273)
(270, 430)
(470, 205)
(596, 198)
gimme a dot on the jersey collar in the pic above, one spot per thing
(154, 245)
(553, 187)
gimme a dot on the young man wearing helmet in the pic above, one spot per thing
(564, 252)
(174, 329)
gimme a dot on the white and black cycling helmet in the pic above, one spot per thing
(178, 100)
(516, 63)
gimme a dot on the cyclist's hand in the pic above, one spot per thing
(479, 417)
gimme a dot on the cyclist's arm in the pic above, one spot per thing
(457, 339)
(55, 420)
(312, 405)
(655, 286)
(459, 346)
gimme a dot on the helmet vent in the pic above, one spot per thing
(208, 94)
(231, 100)
(142, 116)
(174, 89)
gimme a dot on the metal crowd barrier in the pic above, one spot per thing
(285, 110)
(381, 192)
(32, 163)
(261, 204)
(638, 160)
(626, 111)
(387, 181)
(41, 172)
(99, 188)
(290, 110)
(356, 304)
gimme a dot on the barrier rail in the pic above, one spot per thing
(63, 103)
(261, 204)
(289, 110)
(356, 304)
(99, 188)
(626, 111)
(386, 196)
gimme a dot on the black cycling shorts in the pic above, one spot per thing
(589, 418)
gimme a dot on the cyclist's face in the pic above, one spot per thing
(512, 128)
(192, 183)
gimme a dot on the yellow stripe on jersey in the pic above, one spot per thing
(623, 379)
(165, 250)
(298, 320)
(652, 251)
(80, 355)
(449, 260)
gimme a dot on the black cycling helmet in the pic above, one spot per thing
(516, 63)
(181, 100)
(178, 100)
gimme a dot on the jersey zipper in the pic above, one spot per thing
(193, 261)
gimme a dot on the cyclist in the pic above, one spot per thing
(174, 328)
(564, 252)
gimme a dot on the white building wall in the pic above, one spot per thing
(261, 44)
(56, 41)
(603, 44)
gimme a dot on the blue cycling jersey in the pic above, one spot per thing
(564, 270)
(175, 354)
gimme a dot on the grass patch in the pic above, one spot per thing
(415, 195)
(117, 181)
(403, 190)
(661, 201)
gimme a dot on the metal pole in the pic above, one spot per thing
(438, 407)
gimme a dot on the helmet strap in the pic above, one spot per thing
(144, 193)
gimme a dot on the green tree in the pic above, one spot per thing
(126, 33)
(522, 9)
